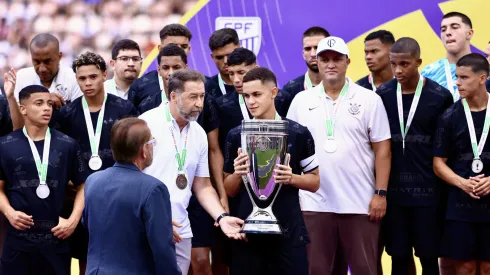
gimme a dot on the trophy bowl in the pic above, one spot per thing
(265, 143)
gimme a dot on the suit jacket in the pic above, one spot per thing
(129, 221)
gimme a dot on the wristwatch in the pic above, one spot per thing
(381, 192)
(221, 216)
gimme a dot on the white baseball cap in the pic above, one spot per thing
(332, 43)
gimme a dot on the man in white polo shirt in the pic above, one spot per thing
(126, 64)
(181, 160)
(47, 71)
(352, 140)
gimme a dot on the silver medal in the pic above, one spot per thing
(477, 166)
(330, 145)
(42, 191)
(181, 181)
(95, 163)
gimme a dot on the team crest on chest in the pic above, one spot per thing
(354, 108)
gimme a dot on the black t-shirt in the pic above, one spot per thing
(230, 115)
(412, 179)
(5, 119)
(282, 102)
(143, 87)
(71, 121)
(293, 87)
(364, 82)
(286, 207)
(150, 102)
(453, 142)
(212, 87)
(18, 170)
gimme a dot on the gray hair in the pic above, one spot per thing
(179, 78)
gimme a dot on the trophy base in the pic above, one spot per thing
(261, 227)
(261, 221)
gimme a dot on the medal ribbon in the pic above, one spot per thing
(371, 80)
(477, 147)
(221, 84)
(179, 156)
(94, 138)
(308, 85)
(243, 107)
(162, 88)
(450, 81)
(413, 107)
(330, 120)
(42, 167)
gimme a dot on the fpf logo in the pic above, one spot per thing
(249, 30)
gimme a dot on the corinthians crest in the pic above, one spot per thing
(354, 108)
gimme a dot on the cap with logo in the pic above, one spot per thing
(332, 43)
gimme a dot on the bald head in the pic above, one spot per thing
(406, 45)
(43, 40)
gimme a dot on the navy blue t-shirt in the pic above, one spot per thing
(143, 87)
(293, 87)
(212, 87)
(71, 121)
(5, 119)
(364, 82)
(453, 142)
(488, 85)
(286, 207)
(230, 115)
(412, 180)
(150, 102)
(18, 170)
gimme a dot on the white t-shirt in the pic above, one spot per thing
(64, 84)
(347, 181)
(165, 167)
(111, 88)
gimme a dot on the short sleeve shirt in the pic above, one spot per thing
(286, 207)
(165, 167)
(18, 170)
(71, 121)
(412, 179)
(453, 142)
(64, 84)
(361, 119)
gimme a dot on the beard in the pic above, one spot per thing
(186, 114)
(313, 68)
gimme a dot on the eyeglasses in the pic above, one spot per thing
(152, 141)
(125, 59)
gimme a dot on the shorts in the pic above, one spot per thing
(407, 228)
(466, 241)
(79, 243)
(202, 225)
(34, 263)
(266, 255)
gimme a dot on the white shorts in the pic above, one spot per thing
(183, 251)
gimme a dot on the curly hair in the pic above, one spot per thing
(89, 58)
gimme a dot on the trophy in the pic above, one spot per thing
(265, 143)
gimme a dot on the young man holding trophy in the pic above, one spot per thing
(274, 158)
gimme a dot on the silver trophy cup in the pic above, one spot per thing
(265, 142)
